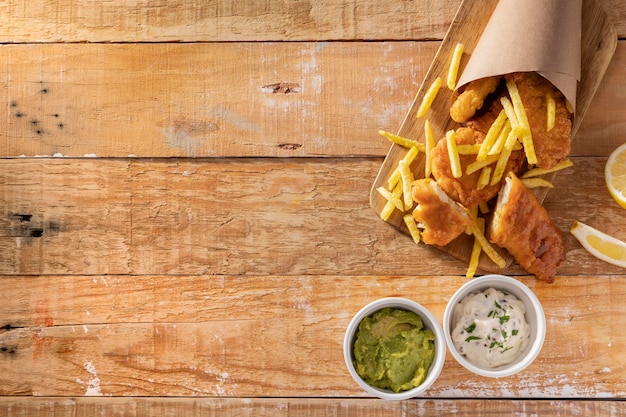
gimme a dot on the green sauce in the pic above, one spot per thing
(393, 350)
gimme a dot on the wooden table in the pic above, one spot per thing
(186, 227)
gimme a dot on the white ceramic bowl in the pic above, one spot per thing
(534, 315)
(429, 321)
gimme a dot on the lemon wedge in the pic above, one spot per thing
(615, 175)
(600, 245)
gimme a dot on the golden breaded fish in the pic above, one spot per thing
(521, 225)
(442, 219)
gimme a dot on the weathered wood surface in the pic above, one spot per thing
(37, 21)
(161, 253)
(240, 216)
(194, 100)
(274, 336)
(288, 407)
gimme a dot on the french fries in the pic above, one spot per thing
(429, 138)
(407, 179)
(483, 180)
(492, 135)
(405, 142)
(551, 112)
(536, 172)
(409, 221)
(536, 183)
(486, 246)
(455, 63)
(476, 251)
(429, 97)
(453, 154)
(503, 159)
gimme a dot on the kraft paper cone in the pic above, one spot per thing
(531, 35)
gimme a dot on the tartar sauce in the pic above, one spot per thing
(490, 328)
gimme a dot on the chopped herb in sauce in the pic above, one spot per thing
(497, 319)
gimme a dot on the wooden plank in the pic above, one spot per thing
(239, 216)
(209, 336)
(152, 100)
(294, 407)
(197, 100)
(190, 21)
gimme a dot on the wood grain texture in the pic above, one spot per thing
(191, 100)
(189, 21)
(239, 216)
(294, 407)
(209, 336)
(195, 100)
(202, 236)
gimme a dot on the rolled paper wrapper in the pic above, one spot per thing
(543, 36)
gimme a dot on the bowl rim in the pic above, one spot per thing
(429, 321)
(480, 284)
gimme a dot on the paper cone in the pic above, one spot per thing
(531, 35)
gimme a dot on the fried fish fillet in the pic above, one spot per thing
(464, 189)
(522, 225)
(553, 146)
(442, 219)
(472, 98)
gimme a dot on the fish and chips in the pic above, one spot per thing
(512, 130)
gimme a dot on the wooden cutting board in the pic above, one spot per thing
(599, 40)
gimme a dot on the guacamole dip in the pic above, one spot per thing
(392, 349)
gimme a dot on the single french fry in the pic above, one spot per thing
(483, 179)
(453, 154)
(536, 182)
(551, 110)
(386, 212)
(429, 97)
(409, 221)
(402, 141)
(476, 250)
(569, 106)
(455, 63)
(473, 212)
(468, 149)
(478, 165)
(486, 246)
(407, 179)
(529, 149)
(394, 179)
(536, 172)
(410, 155)
(429, 138)
(491, 136)
(483, 207)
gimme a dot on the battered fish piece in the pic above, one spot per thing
(553, 146)
(523, 227)
(443, 219)
(463, 189)
(472, 98)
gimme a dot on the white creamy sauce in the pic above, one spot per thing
(490, 328)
